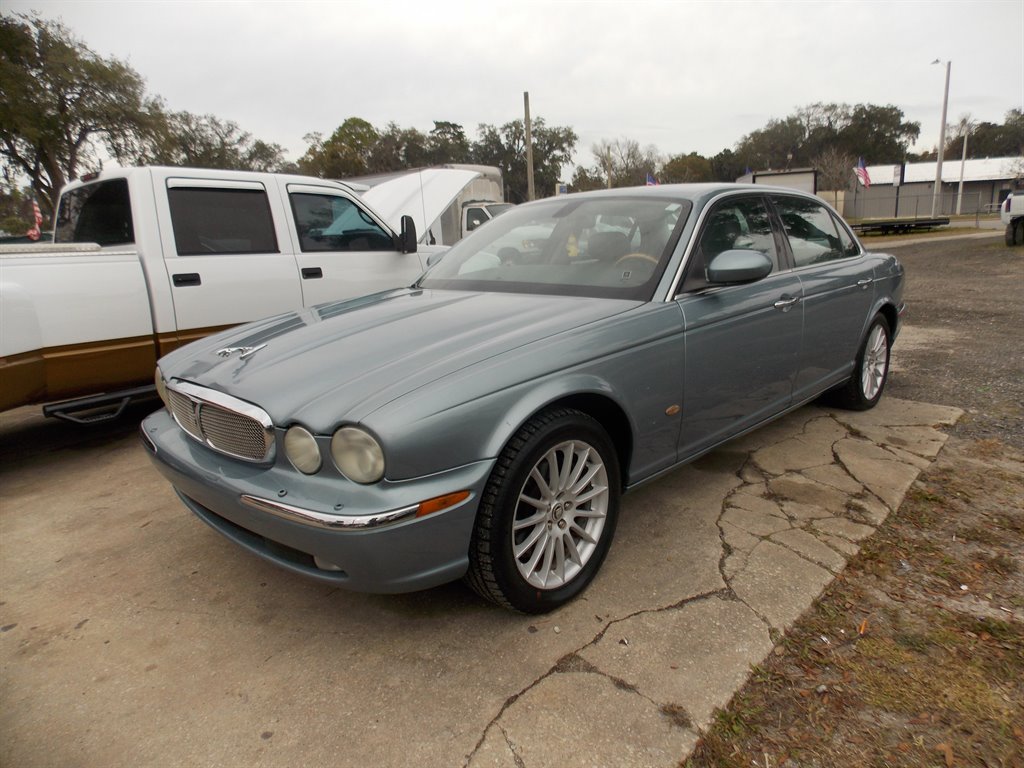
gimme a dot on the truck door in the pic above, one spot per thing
(342, 250)
(223, 255)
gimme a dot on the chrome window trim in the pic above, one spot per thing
(315, 519)
(765, 191)
(202, 395)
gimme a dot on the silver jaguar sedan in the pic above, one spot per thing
(484, 422)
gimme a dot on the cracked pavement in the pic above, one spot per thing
(130, 634)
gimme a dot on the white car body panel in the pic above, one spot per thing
(424, 195)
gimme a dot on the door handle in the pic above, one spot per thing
(865, 282)
(187, 278)
(312, 273)
(786, 303)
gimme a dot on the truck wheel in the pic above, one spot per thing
(1015, 232)
(547, 515)
(1010, 235)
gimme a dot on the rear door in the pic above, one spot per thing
(838, 292)
(742, 341)
(342, 250)
(223, 256)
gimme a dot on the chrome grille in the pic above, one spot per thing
(184, 412)
(224, 423)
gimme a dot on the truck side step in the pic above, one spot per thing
(98, 408)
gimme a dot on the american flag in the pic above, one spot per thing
(651, 181)
(862, 173)
(35, 231)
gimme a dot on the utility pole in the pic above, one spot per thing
(530, 193)
(942, 143)
(960, 188)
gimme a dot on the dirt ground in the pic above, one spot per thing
(915, 655)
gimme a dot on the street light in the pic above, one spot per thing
(942, 141)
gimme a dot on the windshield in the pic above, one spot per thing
(607, 246)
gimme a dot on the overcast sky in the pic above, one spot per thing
(684, 76)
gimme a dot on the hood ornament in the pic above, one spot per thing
(245, 351)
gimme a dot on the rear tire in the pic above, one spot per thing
(547, 515)
(864, 389)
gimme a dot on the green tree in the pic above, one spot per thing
(448, 144)
(60, 103)
(995, 140)
(346, 153)
(505, 147)
(684, 169)
(726, 166)
(16, 215)
(204, 141)
(879, 134)
(398, 148)
(586, 179)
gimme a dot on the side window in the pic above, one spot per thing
(735, 224)
(335, 223)
(96, 213)
(208, 220)
(810, 229)
(849, 245)
(474, 218)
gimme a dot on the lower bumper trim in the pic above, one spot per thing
(330, 522)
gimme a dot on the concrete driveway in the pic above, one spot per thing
(133, 635)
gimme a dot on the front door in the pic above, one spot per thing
(742, 341)
(342, 250)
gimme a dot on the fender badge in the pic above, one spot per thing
(245, 351)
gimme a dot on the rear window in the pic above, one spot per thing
(96, 213)
(209, 220)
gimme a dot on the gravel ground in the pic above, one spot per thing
(963, 341)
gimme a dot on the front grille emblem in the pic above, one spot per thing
(245, 351)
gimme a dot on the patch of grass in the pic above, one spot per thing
(980, 535)
(1002, 564)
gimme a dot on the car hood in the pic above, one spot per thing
(424, 195)
(342, 361)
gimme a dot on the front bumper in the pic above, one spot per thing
(363, 538)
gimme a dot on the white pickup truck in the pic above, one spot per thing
(1011, 213)
(147, 259)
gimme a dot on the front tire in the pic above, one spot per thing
(548, 513)
(864, 389)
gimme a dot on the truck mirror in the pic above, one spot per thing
(407, 240)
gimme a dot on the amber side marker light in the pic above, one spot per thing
(439, 503)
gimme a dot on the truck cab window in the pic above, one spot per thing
(208, 220)
(96, 213)
(335, 223)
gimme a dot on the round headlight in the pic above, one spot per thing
(357, 455)
(161, 386)
(301, 449)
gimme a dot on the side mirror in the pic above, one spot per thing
(407, 240)
(736, 266)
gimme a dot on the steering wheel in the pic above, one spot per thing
(640, 256)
